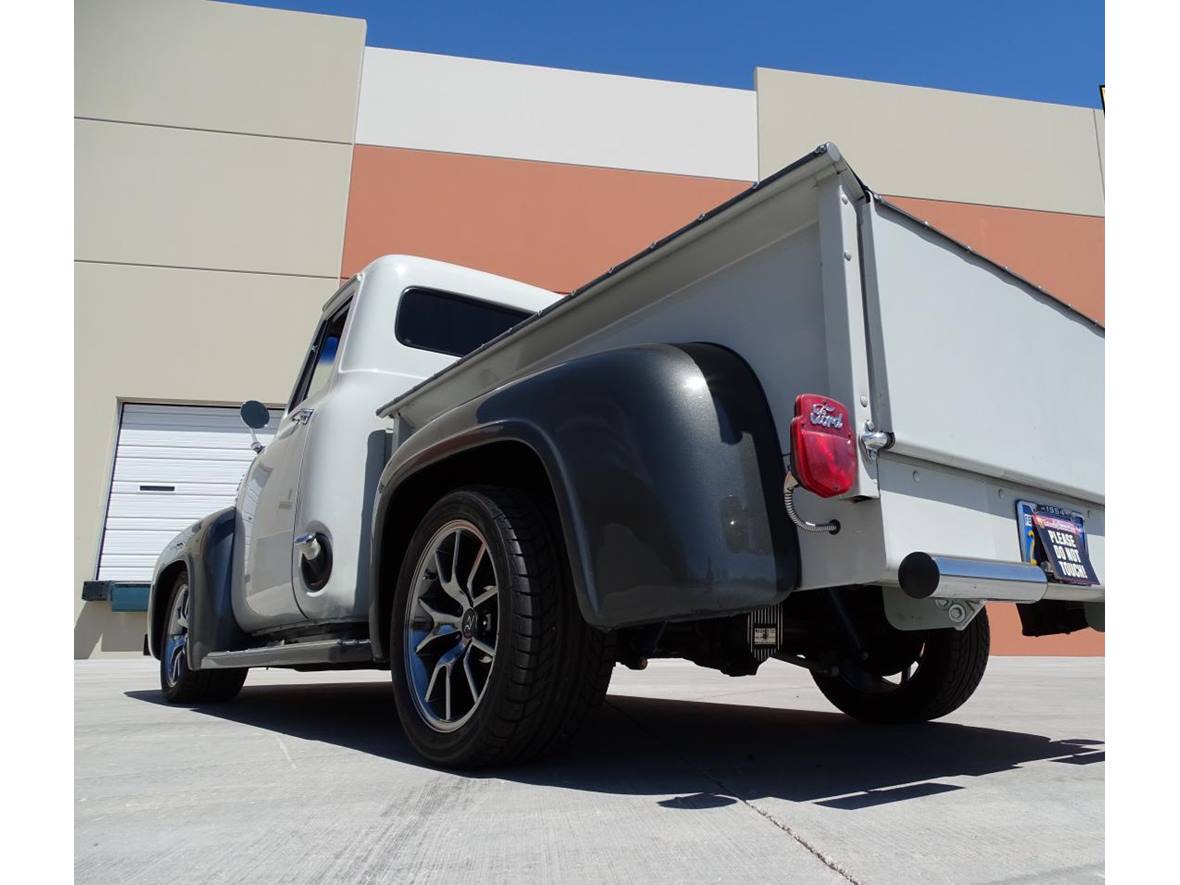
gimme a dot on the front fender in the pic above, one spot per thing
(204, 551)
(665, 467)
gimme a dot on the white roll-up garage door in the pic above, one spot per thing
(173, 466)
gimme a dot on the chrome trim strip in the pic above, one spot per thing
(324, 651)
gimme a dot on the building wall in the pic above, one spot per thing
(213, 145)
(233, 163)
(545, 175)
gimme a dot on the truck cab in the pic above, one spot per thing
(401, 320)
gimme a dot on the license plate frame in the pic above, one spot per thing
(1054, 539)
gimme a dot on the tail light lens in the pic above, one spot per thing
(823, 448)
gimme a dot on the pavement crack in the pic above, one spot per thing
(829, 862)
(283, 747)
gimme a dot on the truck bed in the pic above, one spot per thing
(991, 388)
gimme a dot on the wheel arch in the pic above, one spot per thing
(158, 603)
(660, 462)
(406, 504)
(204, 551)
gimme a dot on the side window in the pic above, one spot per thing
(321, 358)
(451, 324)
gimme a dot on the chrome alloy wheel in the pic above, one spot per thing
(452, 621)
(176, 637)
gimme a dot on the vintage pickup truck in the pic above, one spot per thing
(805, 426)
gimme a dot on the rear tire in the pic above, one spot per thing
(179, 684)
(548, 669)
(947, 672)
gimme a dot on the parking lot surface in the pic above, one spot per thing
(686, 775)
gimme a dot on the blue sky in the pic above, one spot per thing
(1046, 50)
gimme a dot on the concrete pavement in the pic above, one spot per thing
(686, 776)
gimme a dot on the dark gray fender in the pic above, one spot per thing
(205, 551)
(666, 471)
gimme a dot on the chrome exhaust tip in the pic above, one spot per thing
(930, 576)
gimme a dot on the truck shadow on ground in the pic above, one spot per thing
(705, 754)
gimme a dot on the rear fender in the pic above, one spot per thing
(664, 468)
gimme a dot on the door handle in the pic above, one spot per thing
(303, 415)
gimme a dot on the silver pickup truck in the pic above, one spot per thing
(806, 426)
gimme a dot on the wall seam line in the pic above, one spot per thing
(265, 273)
(213, 131)
(422, 150)
(892, 195)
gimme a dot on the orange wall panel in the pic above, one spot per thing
(1065, 254)
(549, 224)
(1007, 639)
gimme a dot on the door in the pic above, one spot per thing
(173, 466)
(269, 496)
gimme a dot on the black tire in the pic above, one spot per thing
(550, 669)
(948, 671)
(179, 684)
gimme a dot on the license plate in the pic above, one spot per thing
(1055, 539)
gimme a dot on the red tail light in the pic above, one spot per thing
(823, 447)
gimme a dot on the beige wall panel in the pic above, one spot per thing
(175, 336)
(1100, 137)
(217, 66)
(935, 144)
(178, 197)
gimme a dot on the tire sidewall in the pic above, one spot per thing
(173, 692)
(448, 748)
(911, 701)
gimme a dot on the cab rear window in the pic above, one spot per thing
(452, 324)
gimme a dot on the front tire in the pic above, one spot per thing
(946, 669)
(491, 660)
(179, 684)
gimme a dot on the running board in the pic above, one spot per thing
(324, 651)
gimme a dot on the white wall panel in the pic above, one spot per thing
(468, 106)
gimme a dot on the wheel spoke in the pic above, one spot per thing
(437, 616)
(482, 646)
(437, 632)
(438, 667)
(449, 680)
(488, 593)
(450, 586)
(470, 677)
(175, 664)
(480, 554)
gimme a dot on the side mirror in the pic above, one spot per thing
(254, 414)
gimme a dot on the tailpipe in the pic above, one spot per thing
(930, 576)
